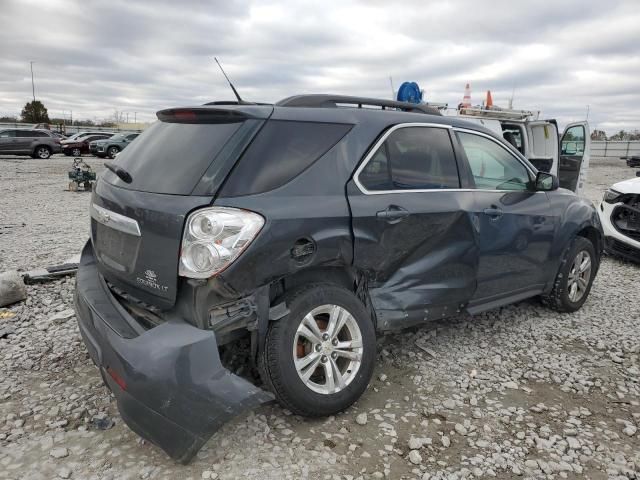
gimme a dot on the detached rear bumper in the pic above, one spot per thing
(169, 383)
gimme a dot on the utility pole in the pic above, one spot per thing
(587, 112)
(33, 87)
(135, 117)
(127, 117)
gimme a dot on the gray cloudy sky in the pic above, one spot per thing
(94, 56)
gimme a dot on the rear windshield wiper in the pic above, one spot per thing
(120, 172)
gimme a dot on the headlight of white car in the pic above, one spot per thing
(214, 237)
(611, 196)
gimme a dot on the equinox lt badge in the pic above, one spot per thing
(150, 280)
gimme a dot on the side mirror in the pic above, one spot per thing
(546, 182)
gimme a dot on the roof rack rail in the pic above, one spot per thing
(338, 101)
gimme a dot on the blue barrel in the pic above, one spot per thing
(409, 92)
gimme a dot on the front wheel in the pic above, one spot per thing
(318, 359)
(575, 277)
(113, 151)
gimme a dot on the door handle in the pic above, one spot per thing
(393, 214)
(493, 212)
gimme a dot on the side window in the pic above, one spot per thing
(573, 141)
(492, 166)
(412, 158)
(8, 134)
(131, 137)
(280, 152)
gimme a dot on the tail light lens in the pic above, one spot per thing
(214, 237)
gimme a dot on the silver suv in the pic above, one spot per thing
(37, 143)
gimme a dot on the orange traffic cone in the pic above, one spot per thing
(466, 100)
(489, 104)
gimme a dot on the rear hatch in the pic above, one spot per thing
(175, 166)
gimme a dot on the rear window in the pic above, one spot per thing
(281, 151)
(172, 157)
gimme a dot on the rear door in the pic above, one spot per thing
(24, 139)
(413, 236)
(515, 225)
(575, 152)
(542, 150)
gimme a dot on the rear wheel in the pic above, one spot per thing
(113, 151)
(575, 277)
(42, 151)
(319, 359)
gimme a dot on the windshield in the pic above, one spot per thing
(118, 136)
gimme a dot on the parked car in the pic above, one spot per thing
(306, 229)
(37, 143)
(112, 146)
(632, 160)
(620, 216)
(79, 145)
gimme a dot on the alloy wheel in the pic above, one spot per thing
(76, 152)
(579, 276)
(327, 349)
(43, 153)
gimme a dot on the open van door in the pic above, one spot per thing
(575, 151)
(543, 145)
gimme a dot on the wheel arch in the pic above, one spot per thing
(592, 234)
(346, 277)
(38, 145)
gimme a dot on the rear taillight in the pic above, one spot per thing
(214, 237)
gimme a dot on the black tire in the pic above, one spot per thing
(76, 152)
(277, 363)
(42, 152)
(112, 152)
(559, 299)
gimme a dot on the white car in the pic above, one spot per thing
(620, 217)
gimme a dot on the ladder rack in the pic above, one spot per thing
(498, 113)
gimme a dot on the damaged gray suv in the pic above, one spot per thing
(303, 229)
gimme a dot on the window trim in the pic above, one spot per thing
(504, 147)
(376, 146)
(450, 128)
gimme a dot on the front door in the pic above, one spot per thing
(413, 234)
(515, 224)
(575, 149)
(8, 141)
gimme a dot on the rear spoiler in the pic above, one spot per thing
(225, 113)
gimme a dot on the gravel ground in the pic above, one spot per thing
(516, 392)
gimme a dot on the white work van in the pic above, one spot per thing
(567, 157)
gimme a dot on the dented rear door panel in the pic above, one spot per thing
(419, 267)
